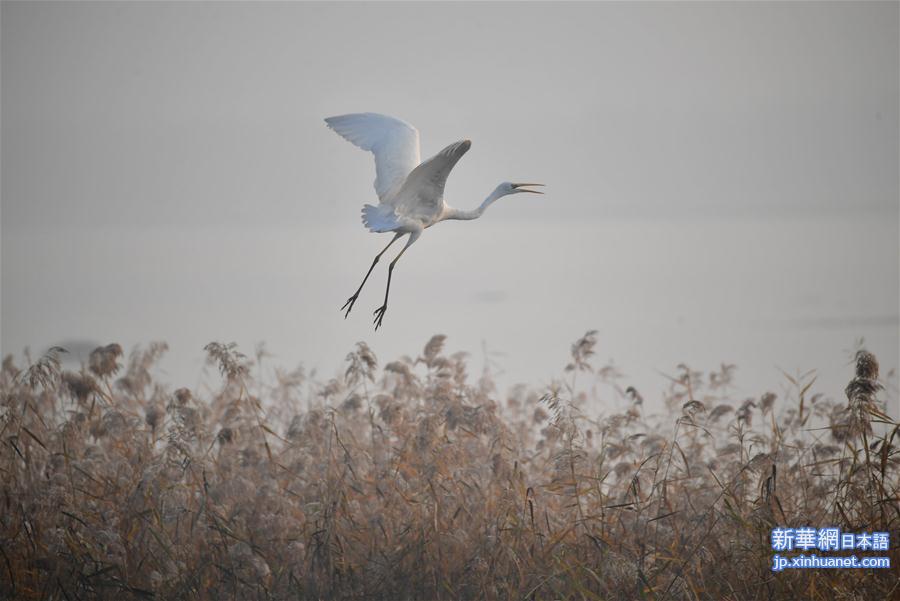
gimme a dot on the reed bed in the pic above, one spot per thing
(417, 480)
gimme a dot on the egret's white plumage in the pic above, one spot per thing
(394, 143)
(411, 194)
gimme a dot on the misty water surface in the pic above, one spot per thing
(791, 294)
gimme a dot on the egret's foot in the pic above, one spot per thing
(379, 315)
(349, 304)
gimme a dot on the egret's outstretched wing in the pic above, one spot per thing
(394, 143)
(422, 194)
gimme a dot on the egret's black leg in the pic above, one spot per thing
(380, 311)
(350, 301)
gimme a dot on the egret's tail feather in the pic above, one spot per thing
(379, 219)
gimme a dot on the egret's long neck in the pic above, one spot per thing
(476, 213)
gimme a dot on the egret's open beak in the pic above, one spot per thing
(520, 188)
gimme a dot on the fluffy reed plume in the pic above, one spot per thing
(44, 372)
(855, 419)
(104, 360)
(412, 481)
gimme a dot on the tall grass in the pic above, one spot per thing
(416, 480)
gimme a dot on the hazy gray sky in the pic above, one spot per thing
(132, 113)
(166, 174)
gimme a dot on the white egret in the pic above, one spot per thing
(411, 195)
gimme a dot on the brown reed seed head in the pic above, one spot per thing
(865, 385)
(79, 385)
(866, 365)
(104, 360)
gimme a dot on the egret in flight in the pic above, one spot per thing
(410, 193)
